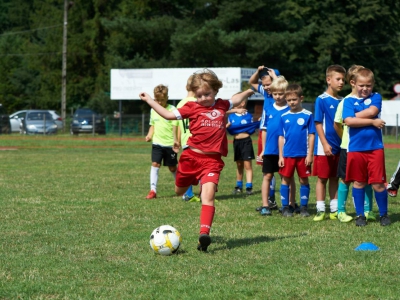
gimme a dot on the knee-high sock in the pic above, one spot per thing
(189, 192)
(382, 201)
(206, 218)
(368, 202)
(285, 195)
(358, 198)
(272, 187)
(154, 178)
(343, 192)
(304, 194)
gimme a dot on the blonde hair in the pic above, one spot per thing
(335, 68)
(189, 81)
(161, 91)
(279, 84)
(205, 77)
(352, 72)
(364, 72)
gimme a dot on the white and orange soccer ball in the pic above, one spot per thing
(165, 240)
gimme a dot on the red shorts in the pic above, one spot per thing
(295, 163)
(259, 148)
(194, 167)
(325, 166)
(366, 166)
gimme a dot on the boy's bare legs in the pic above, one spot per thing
(249, 177)
(265, 186)
(320, 191)
(239, 177)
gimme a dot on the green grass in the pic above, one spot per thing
(75, 224)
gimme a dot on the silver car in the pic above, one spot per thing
(15, 120)
(38, 122)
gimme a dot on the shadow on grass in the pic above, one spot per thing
(235, 243)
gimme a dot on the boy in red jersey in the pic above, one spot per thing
(202, 161)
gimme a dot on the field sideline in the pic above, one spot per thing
(75, 225)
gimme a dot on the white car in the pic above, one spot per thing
(15, 120)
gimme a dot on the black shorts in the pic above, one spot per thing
(270, 164)
(243, 149)
(165, 154)
(341, 173)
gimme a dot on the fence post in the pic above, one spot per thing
(44, 124)
(94, 124)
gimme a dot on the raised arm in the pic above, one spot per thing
(237, 98)
(162, 111)
(254, 78)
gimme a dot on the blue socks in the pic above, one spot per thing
(239, 184)
(272, 187)
(382, 201)
(343, 192)
(304, 194)
(358, 197)
(249, 185)
(285, 195)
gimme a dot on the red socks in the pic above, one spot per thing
(206, 218)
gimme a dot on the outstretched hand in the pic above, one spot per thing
(145, 97)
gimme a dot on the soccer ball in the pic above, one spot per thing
(165, 240)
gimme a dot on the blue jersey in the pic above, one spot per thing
(325, 109)
(271, 123)
(295, 128)
(363, 138)
(268, 101)
(242, 123)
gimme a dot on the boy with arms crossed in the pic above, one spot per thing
(327, 142)
(202, 161)
(343, 132)
(365, 157)
(296, 144)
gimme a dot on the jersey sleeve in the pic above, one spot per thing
(376, 100)
(348, 108)
(311, 125)
(339, 113)
(319, 115)
(280, 127)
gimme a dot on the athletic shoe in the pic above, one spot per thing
(152, 195)
(392, 192)
(361, 221)
(384, 220)
(333, 215)
(287, 211)
(296, 209)
(193, 199)
(370, 215)
(265, 211)
(320, 216)
(237, 190)
(249, 191)
(272, 203)
(204, 242)
(344, 218)
(304, 212)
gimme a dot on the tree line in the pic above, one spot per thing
(300, 38)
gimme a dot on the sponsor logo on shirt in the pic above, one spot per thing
(287, 121)
(210, 174)
(212, 115)
(331, 107)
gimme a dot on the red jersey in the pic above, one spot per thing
(207, 125)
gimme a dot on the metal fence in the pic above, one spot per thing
(138, 125)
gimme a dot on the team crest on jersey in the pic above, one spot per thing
(243, 122)
(367, 101)
(212, 115)
(300, 121)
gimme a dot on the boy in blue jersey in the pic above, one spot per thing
(365, 157)
(296, 143)
(271, 152)
(266, 75)
(327, 142)
(241, 125)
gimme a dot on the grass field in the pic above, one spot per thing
(75, 224)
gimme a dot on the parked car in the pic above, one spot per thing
(38, 122)
(5, 126)
(82, 122)
(15, 120)
(57, 118)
